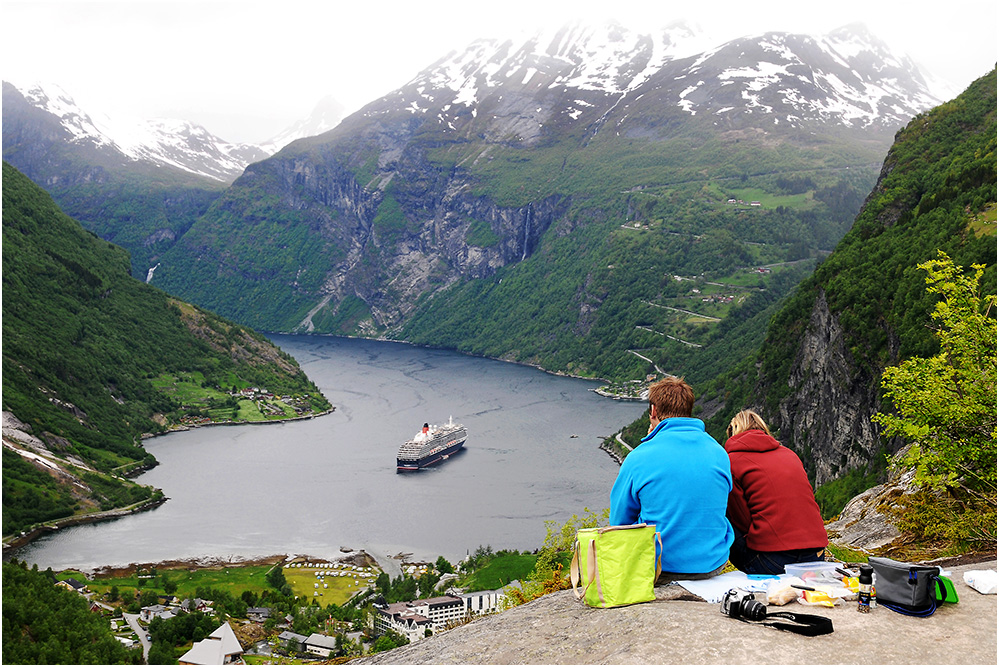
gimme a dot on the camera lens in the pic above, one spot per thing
(753, 609)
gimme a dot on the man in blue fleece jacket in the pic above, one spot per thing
(678, 479)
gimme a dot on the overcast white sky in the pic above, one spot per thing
(246, 70)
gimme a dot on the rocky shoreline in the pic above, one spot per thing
(610, 452)
(52, 526)
(14, 542)
(351, 557)
(191, 427)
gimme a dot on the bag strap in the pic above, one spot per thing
(593, 572)
(919, 613)
(659, 559)
(809, 625)
(574, 572)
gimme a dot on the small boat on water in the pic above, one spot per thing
(431, 445)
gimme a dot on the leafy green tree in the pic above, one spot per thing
(947, 403)
(148, 598)
(388, 641)
(162, 654)
(443, 565)
(404, 588)
(428, 580)
(276, 577)
(384, 583)
(249, 597)
(946, 409)
(46, 624)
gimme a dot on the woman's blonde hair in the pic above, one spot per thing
(745, 421)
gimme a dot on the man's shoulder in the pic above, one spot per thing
(685, 430)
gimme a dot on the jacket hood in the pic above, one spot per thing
(751, 441)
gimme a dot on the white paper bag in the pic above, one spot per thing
(983, 581)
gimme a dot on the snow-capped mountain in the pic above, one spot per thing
(163, 142)
(581, 73)
(846, 77)
(326, 115)
(465, 169)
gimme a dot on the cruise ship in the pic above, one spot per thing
(432, 444)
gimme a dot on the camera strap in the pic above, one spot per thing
(809, 625)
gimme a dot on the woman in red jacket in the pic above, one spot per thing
(772, 507)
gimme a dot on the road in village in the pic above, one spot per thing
(133, 622)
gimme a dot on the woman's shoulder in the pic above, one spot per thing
(754, 441)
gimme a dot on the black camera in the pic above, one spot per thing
(738, 603)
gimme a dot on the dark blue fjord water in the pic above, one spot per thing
(314, 486)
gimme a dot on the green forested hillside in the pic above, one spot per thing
(937, 191)
(938, 180)
(93, 358)
(44, 624)
(139, 205)
(143, 214)
(571, 285)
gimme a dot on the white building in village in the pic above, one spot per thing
(413, 619)
(219, 648)
(483, 602)
(321, 645)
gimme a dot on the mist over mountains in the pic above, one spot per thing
(847, 75)
(462, 173)
(159, 143)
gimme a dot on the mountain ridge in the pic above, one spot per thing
(619, 62)
(401, 208)
(165, 142)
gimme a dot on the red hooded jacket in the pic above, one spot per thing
(772, 500)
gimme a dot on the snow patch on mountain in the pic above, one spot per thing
(326, 115)
(166, 142)
(846, 76)
(606, 59)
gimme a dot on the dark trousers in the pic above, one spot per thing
(768, 562)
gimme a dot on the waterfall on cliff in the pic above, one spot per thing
(527, 228)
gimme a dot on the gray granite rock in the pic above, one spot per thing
(558, 629)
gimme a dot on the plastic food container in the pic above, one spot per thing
(815, 571)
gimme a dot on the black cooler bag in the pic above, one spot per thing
(904, 587)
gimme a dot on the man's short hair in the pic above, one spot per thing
(672, 397)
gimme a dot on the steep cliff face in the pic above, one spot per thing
(368, 241)
(828, 413)
(817, 376)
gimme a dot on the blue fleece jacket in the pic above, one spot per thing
(678, 479)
